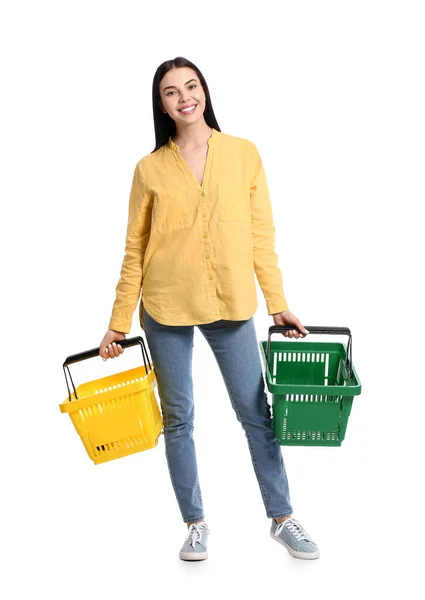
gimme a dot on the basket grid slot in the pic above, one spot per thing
(121, 384)
(312, 398)
(308, 434)
(119, 445)
(303, 357)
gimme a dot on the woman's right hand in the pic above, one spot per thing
(108, 347)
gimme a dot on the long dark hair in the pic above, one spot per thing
(164, 124)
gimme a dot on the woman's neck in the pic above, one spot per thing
(192, 136)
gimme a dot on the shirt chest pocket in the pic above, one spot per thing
(171, 212)
(233, 202)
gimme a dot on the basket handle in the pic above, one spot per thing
(73, 358)
(316, 329)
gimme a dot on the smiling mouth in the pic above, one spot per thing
(189, 111)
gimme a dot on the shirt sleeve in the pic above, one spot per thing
(263, 233)
(137, 238)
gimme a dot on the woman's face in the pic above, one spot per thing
(180, 88)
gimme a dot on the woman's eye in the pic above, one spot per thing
(172, 91)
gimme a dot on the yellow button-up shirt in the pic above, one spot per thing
(191, 249)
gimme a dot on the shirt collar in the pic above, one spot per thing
(174, 146)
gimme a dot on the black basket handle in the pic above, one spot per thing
(316, 329)
(125, 343)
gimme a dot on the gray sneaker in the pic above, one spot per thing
(295, 538)
(195, 545)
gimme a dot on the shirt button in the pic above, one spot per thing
(205, 235)
(204, 214)
(207, 256)
(202, 193)
(211, 277)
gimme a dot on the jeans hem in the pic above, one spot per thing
(195, 519)
(279, 515)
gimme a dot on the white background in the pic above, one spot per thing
(332, 94)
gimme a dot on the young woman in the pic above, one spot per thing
(200, 228)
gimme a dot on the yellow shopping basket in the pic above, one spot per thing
(117, 415)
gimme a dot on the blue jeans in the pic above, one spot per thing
(235, 346)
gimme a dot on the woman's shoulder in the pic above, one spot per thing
(145, 160)
(147, 163)
(151, 166)
(235, 140)
(241, 146)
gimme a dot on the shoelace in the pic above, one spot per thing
(295, 528)
(195, 532)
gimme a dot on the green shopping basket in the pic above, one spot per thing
(312, 386)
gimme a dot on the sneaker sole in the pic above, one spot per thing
(294, 553)
(193, 555)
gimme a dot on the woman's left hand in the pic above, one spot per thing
(288, 318)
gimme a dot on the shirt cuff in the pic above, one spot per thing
(120, 324)
(276, 305)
